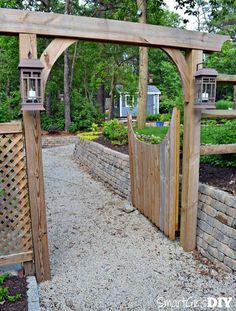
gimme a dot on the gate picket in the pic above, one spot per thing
(154, 171)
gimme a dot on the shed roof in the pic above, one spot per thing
(151, 89)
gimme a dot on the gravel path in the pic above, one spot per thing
(105, 259)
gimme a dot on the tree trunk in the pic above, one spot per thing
(67, 80)
(111, 108)
(73, 65)
(143, 71)
(101, 98)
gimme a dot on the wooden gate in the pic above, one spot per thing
(15, 221)
(154, 171)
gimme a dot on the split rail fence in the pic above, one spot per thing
(154, 171)
(16, 244)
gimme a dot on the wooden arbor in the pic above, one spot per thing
(184, 47)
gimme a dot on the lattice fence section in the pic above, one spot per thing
(15, 221)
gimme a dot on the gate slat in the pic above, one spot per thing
(154, 173)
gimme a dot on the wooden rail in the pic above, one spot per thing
(10, 128)
(154, 171)
(227, 79)
(219, 114)
(217, 149)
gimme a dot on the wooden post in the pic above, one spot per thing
(191, 158)
(32, 131)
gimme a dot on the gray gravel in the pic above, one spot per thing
(103, 258)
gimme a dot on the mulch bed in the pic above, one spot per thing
(223, 178)
(16, 285)
(107, 143)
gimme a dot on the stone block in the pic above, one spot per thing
(225, 249)
(231, 263)
(209, 210)
(219, 195)
(205, 227)
(221, 207)
(205, 189)
(202, 243)
(215, 253)
(232, 244)
(231, 211)
(231, 201)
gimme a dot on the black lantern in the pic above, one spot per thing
(31, 84)
(205, 91)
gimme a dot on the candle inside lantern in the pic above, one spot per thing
(205, 96)
(32, 94)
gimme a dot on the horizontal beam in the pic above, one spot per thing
(105, 30)
(10, 127)
(217, 149)
(219, 114)
(16, 258)
(228, 79)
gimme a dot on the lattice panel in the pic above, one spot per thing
(15, 221)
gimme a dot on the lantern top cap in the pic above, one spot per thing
(30, 63)
(206, 72)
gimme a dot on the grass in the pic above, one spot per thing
(159, 131)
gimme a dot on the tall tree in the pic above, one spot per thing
(143, 69)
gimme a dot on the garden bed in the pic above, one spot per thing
(220, 177)
(16, 285)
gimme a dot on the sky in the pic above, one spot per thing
(191, 25)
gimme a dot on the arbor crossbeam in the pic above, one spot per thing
(105, 30)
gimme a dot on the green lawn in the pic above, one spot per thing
(159, 131)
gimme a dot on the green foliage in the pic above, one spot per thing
(224, 104)
(89, 135)
(219, 133)
(4, 291)
(9, 106)
(153, 117)
(150, 139)
(116, 132)
(158, 131)
(84, 116)
(56, 122)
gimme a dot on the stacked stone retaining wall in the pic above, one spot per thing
(110, 166)
(216, 228)
(216, 231)
(56, 141)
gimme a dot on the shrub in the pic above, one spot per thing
(9, 106)
(165, 117)
(224, 104)
(4, 292)
(56, 122)
(116, 132)
(153, 117)
(219, 133)
(151, 139)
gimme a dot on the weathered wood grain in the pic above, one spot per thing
(226, 79)
(217, 149)
(32, 131)
(16, 258)
(51, 54)
(219, 114)
(154, 173)
(10, 127)
(98, 29)
(191, 156)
